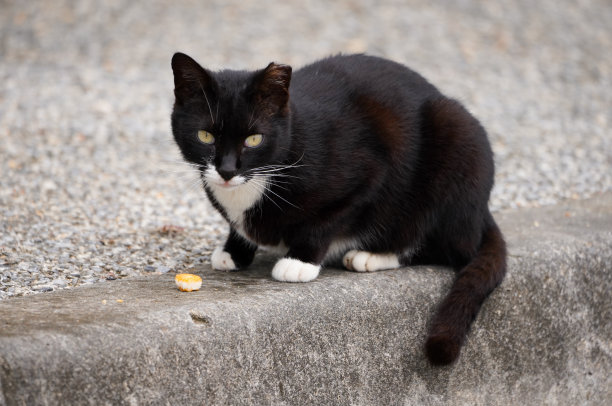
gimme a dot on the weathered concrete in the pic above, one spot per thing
(544, 337)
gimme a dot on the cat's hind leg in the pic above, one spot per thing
(364, 261)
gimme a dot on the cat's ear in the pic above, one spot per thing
(190, 79)
(271, 87)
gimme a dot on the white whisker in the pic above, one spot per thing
(254, 122)
(194, 185)
(184, 178)
(274, 178)
(251, 119)
(268, 170)
(207, 102)
(178, 162)
(180, 171)
(258, 190)
(270, 182)
(280, 197)
(278, 176)
(260, 184)
(180, 165)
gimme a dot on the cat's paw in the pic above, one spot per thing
(363, 261)
(222, 260)
(294, 270)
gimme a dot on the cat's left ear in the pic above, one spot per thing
(271, 87)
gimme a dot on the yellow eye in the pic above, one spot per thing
(206, 137)
(253, 140)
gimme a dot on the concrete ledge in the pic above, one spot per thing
(544, 337)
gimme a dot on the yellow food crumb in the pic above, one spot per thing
(188, 282)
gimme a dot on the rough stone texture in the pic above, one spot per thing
(544, 337)
(88, 172)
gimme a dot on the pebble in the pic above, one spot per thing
(60, 283)
(163, 269)
(92, 182)
(43, 288)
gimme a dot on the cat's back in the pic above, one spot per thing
(344, 76)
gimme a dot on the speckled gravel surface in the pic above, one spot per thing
(91, 188)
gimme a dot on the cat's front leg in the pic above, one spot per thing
(294, 270)
(302, 263)
(237, 253)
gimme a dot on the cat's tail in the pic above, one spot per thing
(472, 285)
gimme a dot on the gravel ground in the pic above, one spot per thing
(91, 186)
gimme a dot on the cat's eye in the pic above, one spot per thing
(206, 137)
(253, 140)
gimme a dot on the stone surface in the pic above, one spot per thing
(91, 183)
(544, 337)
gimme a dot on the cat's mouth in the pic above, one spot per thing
(229, 184)
(213, 178)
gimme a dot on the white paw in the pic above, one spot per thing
(363, 261)
(294, 270)
(222, 260)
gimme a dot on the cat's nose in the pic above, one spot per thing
(228, 167)
(227, 173)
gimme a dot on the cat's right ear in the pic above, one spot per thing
(190, 79)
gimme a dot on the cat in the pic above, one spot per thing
(353, 158)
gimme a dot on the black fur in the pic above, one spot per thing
(372, 152)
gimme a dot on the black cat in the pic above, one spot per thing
(353, 157)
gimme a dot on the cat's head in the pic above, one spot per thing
(231, 123)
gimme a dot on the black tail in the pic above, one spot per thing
(471, 287)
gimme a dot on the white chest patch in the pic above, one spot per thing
(236, 196)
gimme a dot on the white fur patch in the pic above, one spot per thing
(235, 196)
(280, 249)
(294, 270)
(363, 261)
(213, 178)
(222, 260)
